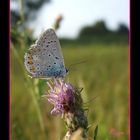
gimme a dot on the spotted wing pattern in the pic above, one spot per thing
(44, 59)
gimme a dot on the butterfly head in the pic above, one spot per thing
(67, 70)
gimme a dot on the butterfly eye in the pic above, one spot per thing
(49, 55)
(67, 70)
(54, 63)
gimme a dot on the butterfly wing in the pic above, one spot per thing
(44, 59)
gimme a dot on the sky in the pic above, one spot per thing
(79, 13)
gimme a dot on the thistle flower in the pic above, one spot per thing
(57, 21)
(67, 102)
(61, 96)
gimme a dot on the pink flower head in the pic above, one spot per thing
(62, 97)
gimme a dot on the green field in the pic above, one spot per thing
(104, 73)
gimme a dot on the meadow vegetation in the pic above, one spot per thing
(102, 72)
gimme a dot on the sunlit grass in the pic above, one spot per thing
(105, 73)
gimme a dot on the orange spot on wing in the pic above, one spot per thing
(30, 59)
(30, 62)
(33, 69)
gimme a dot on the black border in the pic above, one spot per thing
(4, 70)
(134, 45)
(135, 70)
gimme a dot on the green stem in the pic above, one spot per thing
(38, 111)
(32, 92)
(21, 10)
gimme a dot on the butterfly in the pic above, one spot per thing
(44, 59)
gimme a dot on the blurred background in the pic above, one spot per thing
(94, 36)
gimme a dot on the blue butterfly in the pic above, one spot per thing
(44, 59)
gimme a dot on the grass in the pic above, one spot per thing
(104, 74)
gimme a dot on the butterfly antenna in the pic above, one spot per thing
(83, 61)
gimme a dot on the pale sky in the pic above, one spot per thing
(78, 13)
